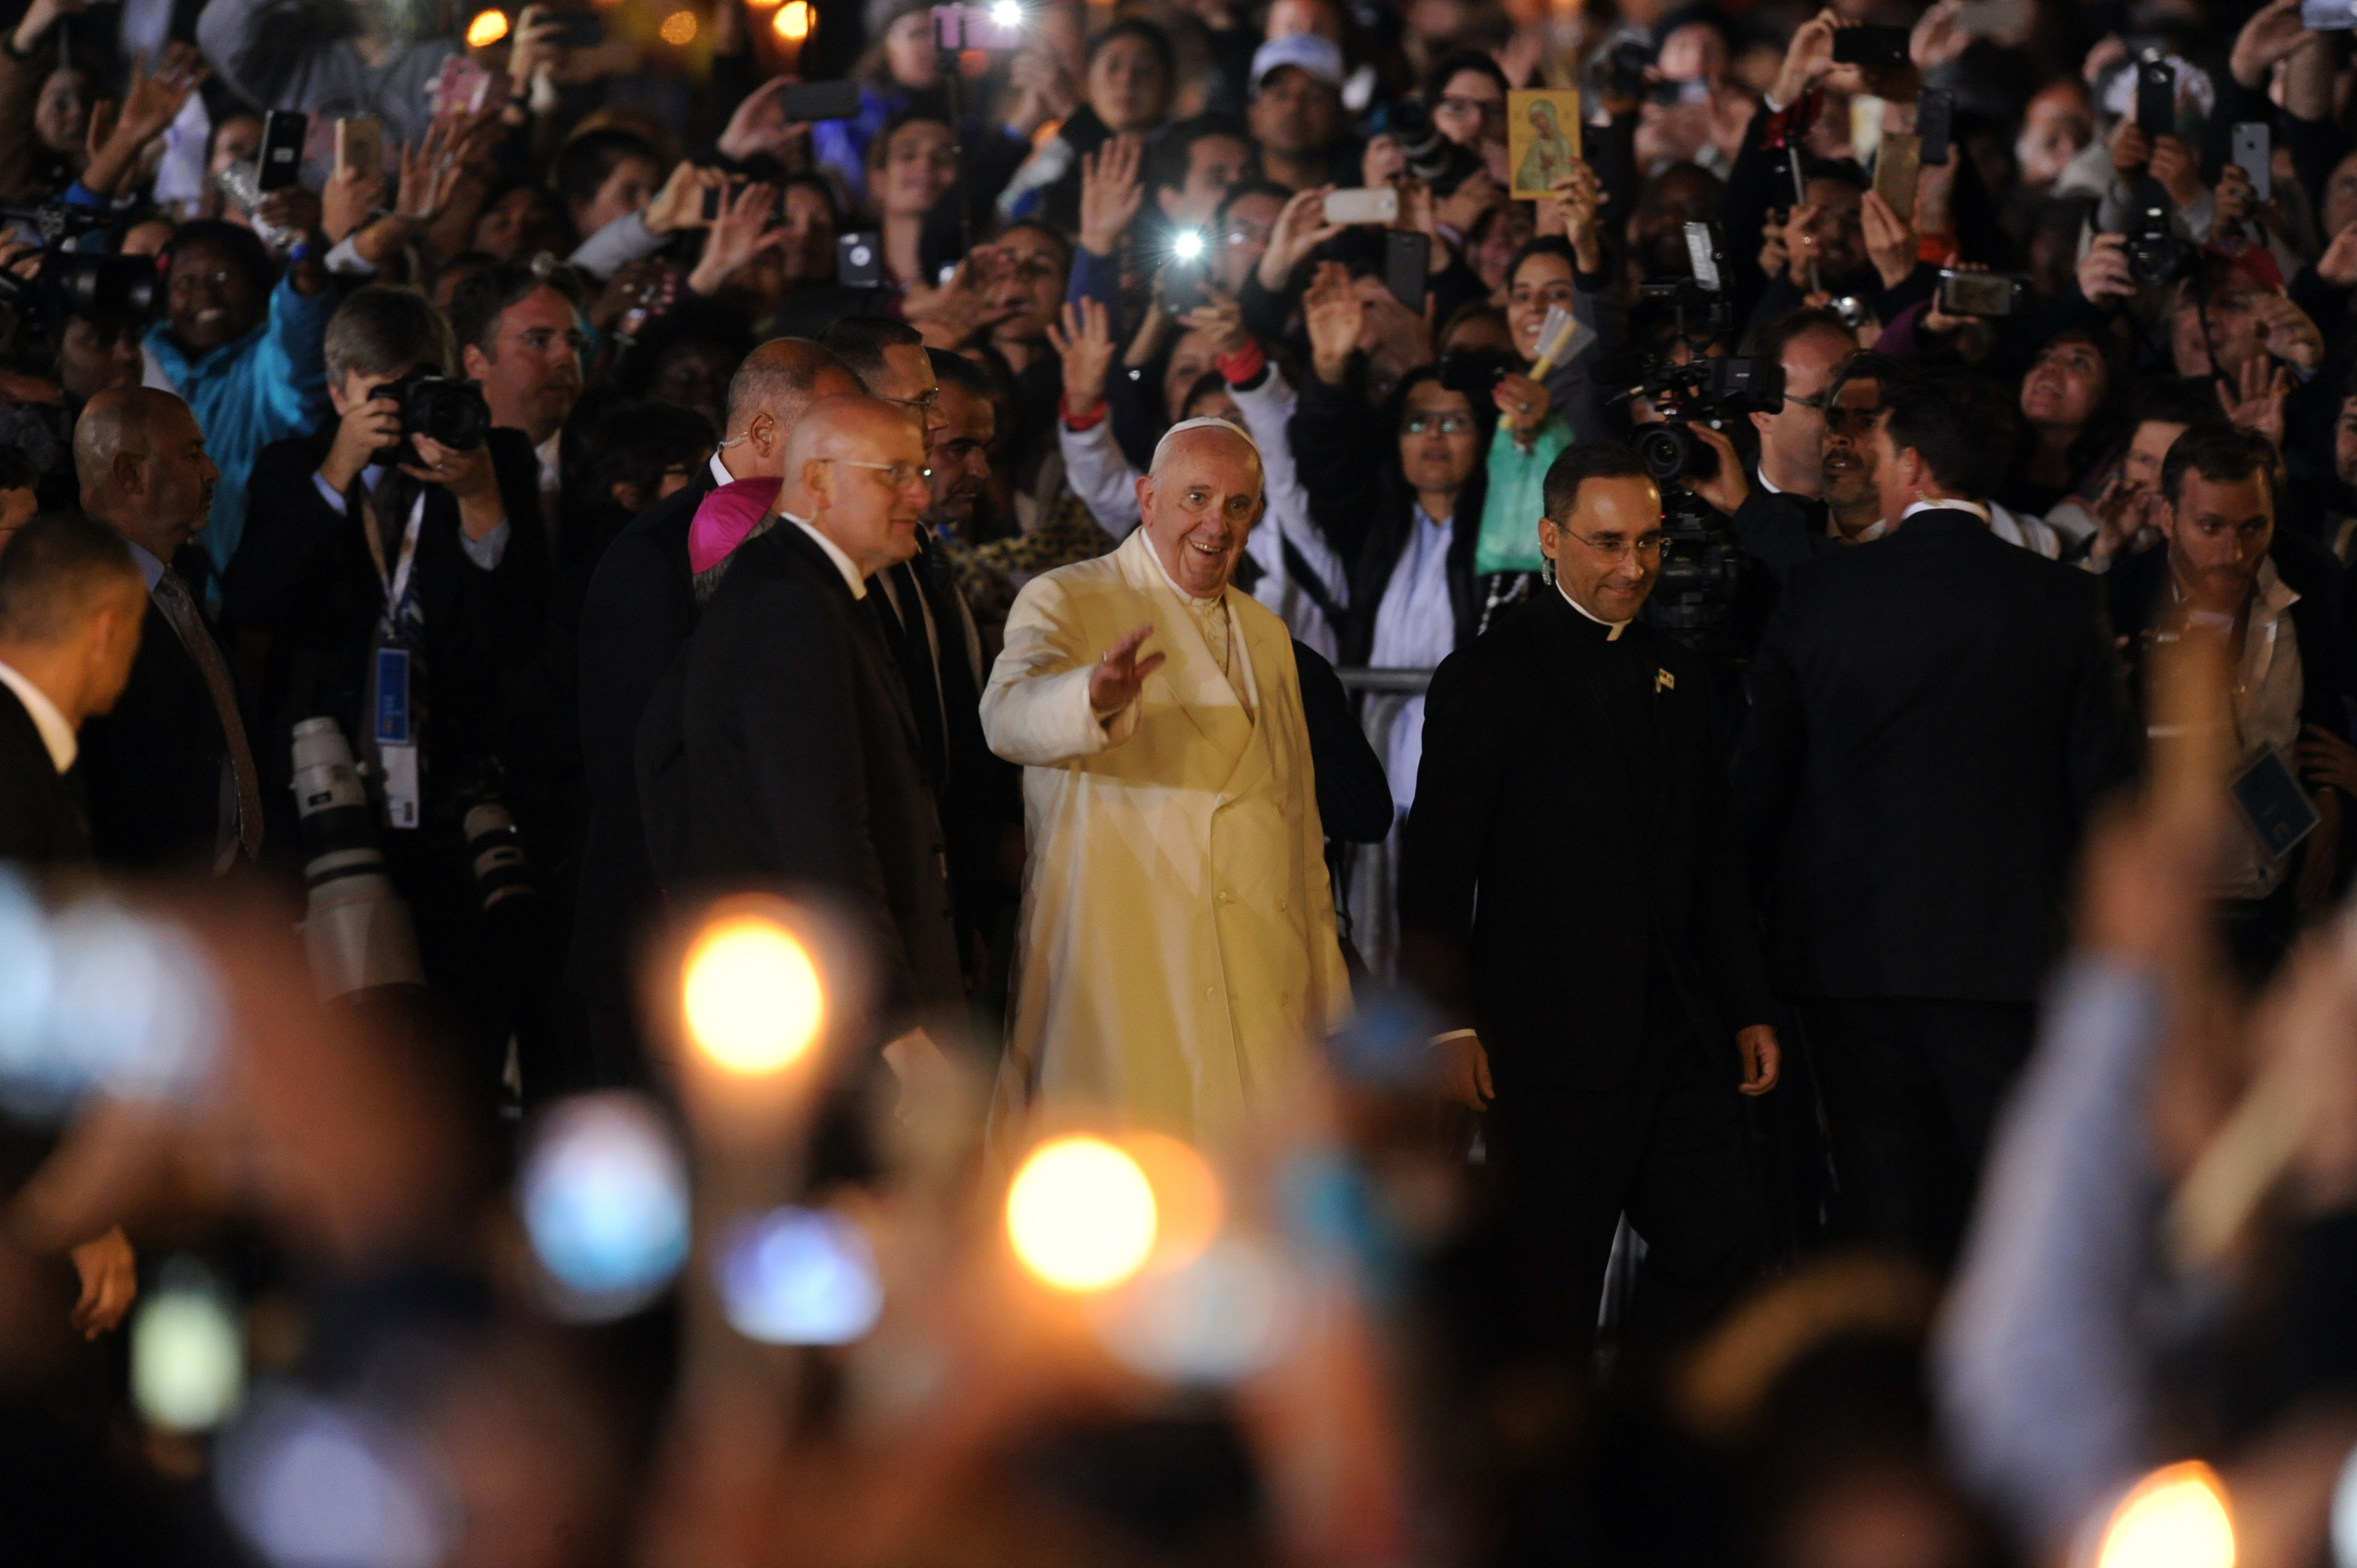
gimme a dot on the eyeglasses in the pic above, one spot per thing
(1817, 402)
(923, 402)
(1490, 110)
(899, 475)
(1618, 549)
(1447, 424)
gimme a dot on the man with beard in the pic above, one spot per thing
(2219, 576)
(1777, 509)
(1854, 398)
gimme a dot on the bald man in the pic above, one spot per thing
(1178, 953)
(170, 772)
(640, 608)
(784, 755)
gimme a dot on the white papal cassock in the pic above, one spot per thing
(1177, 949)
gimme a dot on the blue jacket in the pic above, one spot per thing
(269, 385)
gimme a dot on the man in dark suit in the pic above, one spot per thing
(641, 607)
(1932, 718)
(797, 762)
(169, 773)
(1572, 902)
(72, 605)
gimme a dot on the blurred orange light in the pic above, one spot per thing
(752, 995)
(678, 28)
(1188, 1204)
(762, 5)
(793, 22)
(2174, 1518)
(488, 28)
(1080, 1215)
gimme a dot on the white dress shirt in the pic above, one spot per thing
(842, 563)
(1415, 628)
(57, 734)
(1932, 503)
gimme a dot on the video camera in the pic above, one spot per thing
(1702, 566)
(112, 290)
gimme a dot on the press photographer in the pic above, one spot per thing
(387, 565)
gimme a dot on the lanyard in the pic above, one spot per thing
(396, 585)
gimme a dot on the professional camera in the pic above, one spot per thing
(1706, 389)
(356, 931)
(1432, 157)
(112, 290)
(440, 408)
(495, 850)
(2156, 255)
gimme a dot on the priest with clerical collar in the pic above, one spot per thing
(1179, 955)
(1573, 906)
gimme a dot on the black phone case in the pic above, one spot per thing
(859, 261)
(2155, 98)
(1408, 260)
(1935, 116)
(284, 131)
(1870, 45)
(813, 101)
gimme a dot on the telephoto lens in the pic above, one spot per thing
(356, 930)
(1672, 452)
(496, 851)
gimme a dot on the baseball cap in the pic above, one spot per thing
(1319, 57)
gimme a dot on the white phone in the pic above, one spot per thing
(1370, 204)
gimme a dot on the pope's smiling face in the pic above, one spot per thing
(1199, 507)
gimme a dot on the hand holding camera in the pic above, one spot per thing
(467, 473)
(2104, 270)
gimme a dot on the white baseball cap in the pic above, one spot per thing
(1317, 56)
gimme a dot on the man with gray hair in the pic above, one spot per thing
(642, 605)
(1178, 953)
(169, 772)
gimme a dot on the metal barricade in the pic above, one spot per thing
(1370, 872)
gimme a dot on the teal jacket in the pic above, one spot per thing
(269, 385)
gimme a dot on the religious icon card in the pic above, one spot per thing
(1542, 139)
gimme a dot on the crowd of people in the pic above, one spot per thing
(1667, 761)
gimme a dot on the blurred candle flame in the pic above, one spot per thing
(1188, 1204)
(1081, 1214)
(2174, 1518)
(678, 30)
(488, 28)
(752, 995)
(793, 22)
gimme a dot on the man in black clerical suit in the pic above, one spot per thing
(641, 607)
(797, 759)
(1572, 901)
(1932, 719)
(169, 773)
(71, 605)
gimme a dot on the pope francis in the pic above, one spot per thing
(1177, 949)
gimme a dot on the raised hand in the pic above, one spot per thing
(117, 137)
(429, 175)
(1045, 88)
(1574, 200)
(1121, 674)
(961, 309)
(1221, 320)
(1301, 229)
(1336, 317)
(2275, 32)
(1938, 36)
(2177, 169)
(741, 233)
(1889, 243)
(1110, 193)
(760, 124)
(680, 203)
(1809, 60)
(2264, 385)
(1085, 346)
(2104, 270)
(2287, 332)
(2338, 266)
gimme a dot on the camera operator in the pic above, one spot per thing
(369, 536)
(1777, 505)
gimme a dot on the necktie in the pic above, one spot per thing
(172, 599)
(904, 634)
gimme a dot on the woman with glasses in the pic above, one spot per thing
(1401, 497)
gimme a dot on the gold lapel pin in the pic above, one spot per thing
(1665, 682)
